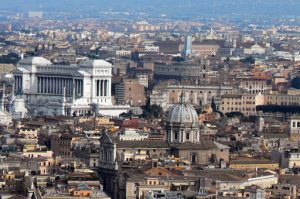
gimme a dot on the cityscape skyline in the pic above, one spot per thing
(231, 9)
(137, 99)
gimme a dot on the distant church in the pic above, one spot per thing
(183, 141)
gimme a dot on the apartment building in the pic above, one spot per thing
(254, 85)
(281, 99)
(294, 127)
(244, 103)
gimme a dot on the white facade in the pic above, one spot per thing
(18, 110)
(132, 135)
(159, 98)
(262, 181)
(291, 159)
(255, 49)
(5, 118)
(123, 53)
(167, 96)
(152, 49)
(294, 127)
(143, 79)
(254, 86)
(65, 89)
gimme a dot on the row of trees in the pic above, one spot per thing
(278, 108)
(11, 58)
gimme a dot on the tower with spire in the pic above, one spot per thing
(187, 51)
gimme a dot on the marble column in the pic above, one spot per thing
(50, 85)
(16, 83)
(39, 85)
(105, 86)
(97, 87)
(42, 85)
(80, 88)
(45, 85)
(102, 87)
(76, 88)
(70, 86)
(67, 87)
(73, 89)
(55, 85)
(60, 85)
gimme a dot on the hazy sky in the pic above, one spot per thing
(202, 8)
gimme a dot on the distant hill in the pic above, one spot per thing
(171, 8)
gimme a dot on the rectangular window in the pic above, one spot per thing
(176, 135)
(187, 136)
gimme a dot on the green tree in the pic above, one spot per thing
(279, 108)
(248, 60)
(234, 114)
(11, 58)
(295, 83)
(155, 110)
(152, 111)
(177, 59)
(227, 60)
(213, 104)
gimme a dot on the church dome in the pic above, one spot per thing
(183, 113)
